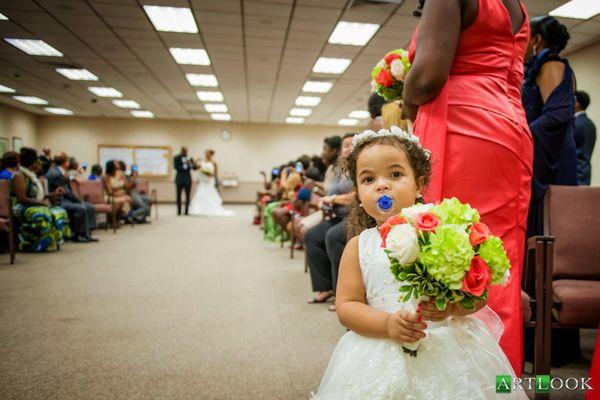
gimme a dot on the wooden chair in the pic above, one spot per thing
(6, 218)
(93, 192)
(143, 188)
(567, 266)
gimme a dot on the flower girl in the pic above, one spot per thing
(458, 356)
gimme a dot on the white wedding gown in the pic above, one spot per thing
(458, 359)
(207, 201)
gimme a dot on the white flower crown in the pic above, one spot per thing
(394, 131)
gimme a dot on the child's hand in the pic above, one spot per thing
(430, 312)
(405, 327)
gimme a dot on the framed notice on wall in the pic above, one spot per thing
(17, 143)
(151, 161)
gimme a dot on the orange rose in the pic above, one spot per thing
(427, 222)
(477, 278)
(386, 227)
(384, 78)
(479, 233)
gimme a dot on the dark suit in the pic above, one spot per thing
(183, 180)
(82, 215)
(585, 138)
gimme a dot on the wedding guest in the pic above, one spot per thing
(464, 89)
(95, 173)
(82, 215)
(116, 186)
(375, 104)
(45, 160)
(550, 106)
(9, 165)
(39, 226)
(140, 204)
(183, 180)
(75, 171)
(585, 138)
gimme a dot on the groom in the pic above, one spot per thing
(183, 180)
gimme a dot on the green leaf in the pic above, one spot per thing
(468, 303)
(407, 296)
(440, 303)
(405, 288)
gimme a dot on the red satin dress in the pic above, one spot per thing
(482, 150)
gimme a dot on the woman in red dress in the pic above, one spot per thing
(465, 82)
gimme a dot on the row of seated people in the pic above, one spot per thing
(48, 201)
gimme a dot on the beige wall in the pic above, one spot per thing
(253, 147)
(19, 123)
(585, 63)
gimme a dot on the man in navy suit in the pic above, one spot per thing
(585, 138)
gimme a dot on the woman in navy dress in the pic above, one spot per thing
(549, 101)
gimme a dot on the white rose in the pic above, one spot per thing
(505, 277)
(381, 63)
(373, 85)
(411, 213)
(397, 69)
(403, 243)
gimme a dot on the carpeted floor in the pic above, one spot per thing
(183, 308)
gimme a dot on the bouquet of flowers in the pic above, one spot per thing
(207, 168)
(387, 78)
(442, 252)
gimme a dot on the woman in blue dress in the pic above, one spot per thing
(549, 102)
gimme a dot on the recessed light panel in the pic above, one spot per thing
(300, 112)
(208, 80)
(58, 111)
(294, 120)
(77, 74)
(190, 56)
(359, 114)
(35, 47)
(142, 114)
(126, 103)
(210, 96)
(105, 92)
(6, 89)
(578, 9)
(317, 87)
(30, 100)
(348, 122)
(309, 101)
(353, 33)
(328, 65)
(221, 117)
(3, 17)
(216, 108)
(172, 19)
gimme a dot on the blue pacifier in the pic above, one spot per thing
(385, 203)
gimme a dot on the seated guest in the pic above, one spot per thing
(9, 164)
(82, 215)
(325, 242)
(96, 173)
(74, 171)
(115, 185)
(45, 160)
(140, 204)
(585, 138)
(39, 227)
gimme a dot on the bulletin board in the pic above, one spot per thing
(152, 161)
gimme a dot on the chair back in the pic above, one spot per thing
(75, 187)
(92, 191)
(571, 216)
(4, 198)
(143, 187)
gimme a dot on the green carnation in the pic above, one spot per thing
(493, 253)
(452, 211)
(448, 255)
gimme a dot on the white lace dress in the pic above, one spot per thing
(458, 359)
(207, 201)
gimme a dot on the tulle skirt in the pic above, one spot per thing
(458, 360)
(207, 201)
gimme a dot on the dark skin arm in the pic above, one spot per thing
(439, 32)
(20, 186)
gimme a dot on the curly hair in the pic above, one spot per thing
(359, 220)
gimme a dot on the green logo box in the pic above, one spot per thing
(503, 383)
(542, 383)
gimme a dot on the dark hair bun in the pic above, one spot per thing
(555, 34)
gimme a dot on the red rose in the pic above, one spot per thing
(386, 227)
(391, 57)
(384, 78)
(477, 278)
(479, 233)
(427, 222)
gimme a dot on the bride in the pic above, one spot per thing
(207, 201)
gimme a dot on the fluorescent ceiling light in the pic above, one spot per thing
(317, 87)
(172, 19)
(294, 120)
(308, 101)
(328, 65)
(216, 108)
(77, 74)
(126, 103)
(300, 112)
(359, 114)
(35, 47)
(190, 56)
(348, 122)
(30, 100)
(3, 17)
(210, 96)
(579, 9)
(6, 89)
(208, 80)
(105, 92)
(142, 114)
(353, 33)
(221, 117)
(59, 111)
